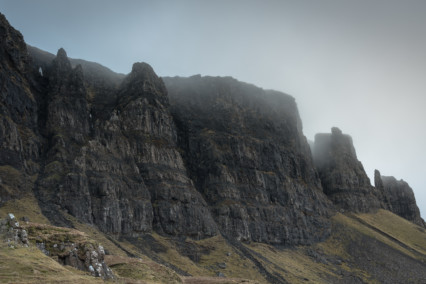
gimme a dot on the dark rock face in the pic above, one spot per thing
(246, 153)
(347, 185)
(401, 199)
(222, 156)
(146, 122)
(94, 145)
(122, 173)
(100, 82)
(384, 197)
(19, 140)
(342, 176)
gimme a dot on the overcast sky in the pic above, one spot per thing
(359, 65)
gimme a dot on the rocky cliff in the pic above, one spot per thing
(245, 150)
(120, 171)
(400, 198)
(342, 176)
(178, 166)
(107, 156)
(111, 155)
(345, 182)
(20, 142)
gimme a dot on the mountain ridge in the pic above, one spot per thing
(177, 168)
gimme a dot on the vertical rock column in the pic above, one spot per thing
(143, 112)
(63, 183)
(342, 176)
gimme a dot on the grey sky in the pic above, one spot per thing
(359, 65)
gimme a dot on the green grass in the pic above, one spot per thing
(26, 206)
(221, 252)
(363, 229)
(126, 268)
(11, 178)
(93, 233)
(292, 264)
(30, 265)
(399, 228)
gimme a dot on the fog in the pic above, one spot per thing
(358, 65)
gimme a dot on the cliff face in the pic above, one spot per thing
(101, 150)
(342, 175)
(19, 141)
(400, 198)
(347, 185)
(121, 170)
(245, 150)
(221, 157)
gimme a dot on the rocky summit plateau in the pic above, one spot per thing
(140, 179)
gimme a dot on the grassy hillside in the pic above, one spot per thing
(30, 265)
(363, 248)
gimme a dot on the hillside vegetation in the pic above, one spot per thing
(345, 257)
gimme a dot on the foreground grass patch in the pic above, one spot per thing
(30, 265)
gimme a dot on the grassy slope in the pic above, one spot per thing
(330, 261)
(399, 228)
(333, 260)
(26, 206)
(30, 265)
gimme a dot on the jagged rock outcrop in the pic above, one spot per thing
(100, 82)
(381, 192)
(93, 145)
(62, 180)
(144, 119)
(246, 153)
(85, 256)
(400, 198)
(67, 246)
(342, 176)
(120, 171)
(12, 233)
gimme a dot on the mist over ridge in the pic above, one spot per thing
(194, 179)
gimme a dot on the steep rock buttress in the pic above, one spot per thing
(246, 153)
(20, 142)
(399, 198)
(342, 176)
(120, 171)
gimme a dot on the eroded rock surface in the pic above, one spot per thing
(19, 141)
(342, 176)
(245, 150)
(400, 198)
(120, 171)
(12, 233)
(222, 156)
